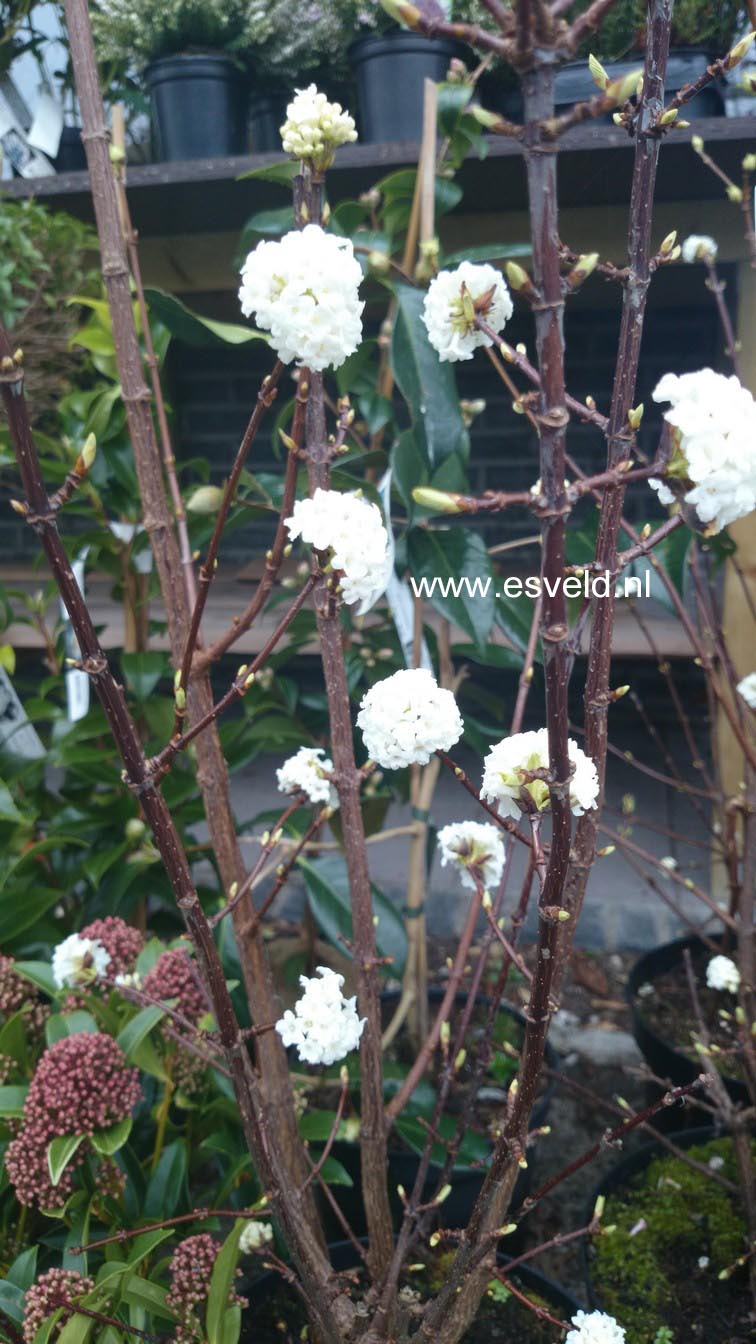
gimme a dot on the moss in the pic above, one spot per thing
(686, 1216)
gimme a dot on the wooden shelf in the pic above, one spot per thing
(204, 195)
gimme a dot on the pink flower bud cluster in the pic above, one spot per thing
(121, 941)
(81, 1085)
(17, 994)
(190, 1271)
(174, 978)
(52, 1290)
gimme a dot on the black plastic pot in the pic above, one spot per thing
(466, 1182)
(343, 1256)
(267, 113)
(199, 106)
(665, 1059)
(71, 156)
(574, 82)
(390, 72)
(622, 1175)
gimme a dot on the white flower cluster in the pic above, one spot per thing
(747, 690)
(324, 1026)
(352, 529)
(698, 247)
(510, 761)
(473, 847)
(715, 456)
(406, 717)
(595, 1327)
(455, 299)
(254, 1236)
(306, 772)
(303, 289)
(78, 961)
(314, 128)
(722, 973)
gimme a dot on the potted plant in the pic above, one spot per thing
(700, 33)
(678, 1235)
(196, 59)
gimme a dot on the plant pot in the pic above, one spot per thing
(664, 1058)
(71, 156)
(343, 1257)
(574, 82)
(403, 1165)
(390, 73)
(267, 113)
(199, 106)
(622, 1177)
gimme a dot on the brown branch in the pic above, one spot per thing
(506, 823)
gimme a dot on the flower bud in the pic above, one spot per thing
(749, 163)
(205, 501)
(635, 416)
(89, 452)
(734, 194)
(740, 50)
(598, 73)
(621, 89)
(379, 262)
(697, 144)
(134, 830)
(518, 277)
(437, 501)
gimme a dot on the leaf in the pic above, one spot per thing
(268, 223)
(12, 1099)
(23, 1271)
(12, 1300)
(473, 1149)
(487, 252)
(334, 1173)
(60, 1025)
(59, 1154)
(40, 974)
(328, 893)
(144, 1245)
(150, 1296)
(449, 555)
(108, 1141)
(221, 1284)
(427, 385)
(193, 329)
(166, 1187)
(409, 466)
(8, 809)
(283, 172)
(143, 672)
(76, 1330)
(132, 1035)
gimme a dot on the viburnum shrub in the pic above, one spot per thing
(156, 1092)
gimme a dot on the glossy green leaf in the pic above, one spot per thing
(221, 1284)
(283, 172)
(143, 672)
(473, 1149)
(194, 329)
(166, 1187)
(448, 556)
(135, 1031)
(77, 1330)
(60, 1025)
(334, 1172)
(328, 893)
(427, 385)
(23, 1271)
(150, 1296)
(59, 1154)
(487, 252)
(12, 1099)
(8, 809)
(12, 1300)
(40, 974)
(410, 467)
(108, 1141)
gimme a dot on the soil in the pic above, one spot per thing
(502, 1319)
(668, 1011)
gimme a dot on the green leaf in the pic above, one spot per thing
(221, 1284)
(283, 172)
(12, 1299)
(427, 385)
(409, 465)
(150, 1296)
(316, 1126)
(145, 1244)
(132, 1035)
(487, 252)
(449, 555)
(8, 809)
(77, 1330)
(514, 615)
(231, 1325)
(328, 893)
(473, 1149)
(268, 223)
(12, 1099)
(143, 672)
(334, 1173)
(60, 1025)
(193, 329)
(23, 1271)
(166, 1187)
(59, 1154)
(108, 1141)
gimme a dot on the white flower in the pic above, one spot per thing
(129, 980)
(703, 1262)
(324, 1026)
(747, 690)
(254, 1236)
(714, 461)
(669, 863)
(698, 247)
(406, 717)
(79, 961)
(303, 290)
(716, 1162)
(306, 771)
(722, 973)
(595, 1327)
(314, 128)
(352, 529)
(453, 301)
(511, 760)
(473, 847)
